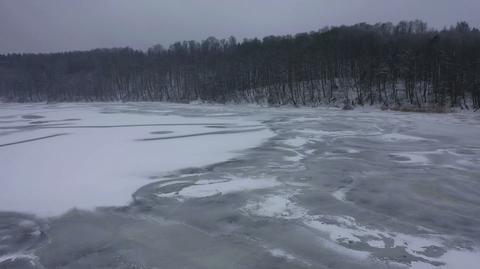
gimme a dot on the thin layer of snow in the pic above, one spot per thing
(350, 253)
(341, 194)
(376, 243)
(94, 166)
(411, 157)
(320, 133)
(460, 258)
(395, 137)
(17, 256)
(276, 206)
(296, 142)
(453, 259)
(280, 253)
(169, 183)
(222, 114)
(305, 119)
(342, 230)
(341, 151)
(222, 187)
(294, 159)
(294, 156)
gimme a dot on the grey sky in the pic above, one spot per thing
(60, 25)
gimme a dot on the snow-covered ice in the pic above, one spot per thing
(99, 160)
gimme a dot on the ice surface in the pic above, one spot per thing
(360, 189)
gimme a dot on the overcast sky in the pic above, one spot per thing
(61, 25)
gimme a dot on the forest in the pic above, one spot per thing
(393, 65)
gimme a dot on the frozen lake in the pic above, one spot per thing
(153, 185)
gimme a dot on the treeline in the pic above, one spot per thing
(406, 64)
